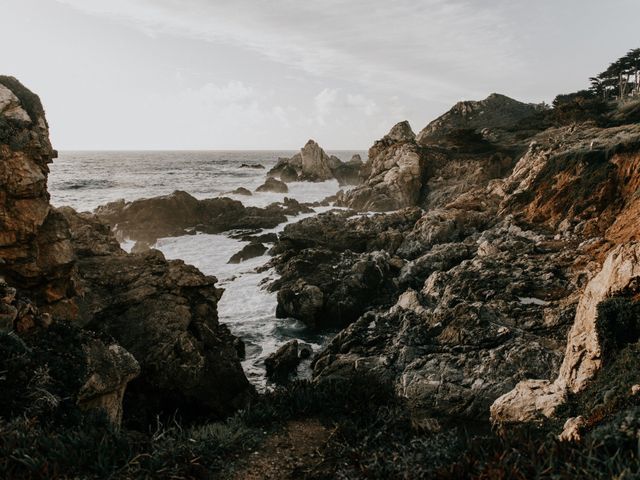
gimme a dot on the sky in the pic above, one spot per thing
(270, 74)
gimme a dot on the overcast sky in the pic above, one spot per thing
(253, 74)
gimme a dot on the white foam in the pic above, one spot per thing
(246, 307)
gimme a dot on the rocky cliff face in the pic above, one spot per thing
(131, 314)
(35, 250)
(396, 172)
(496, 281)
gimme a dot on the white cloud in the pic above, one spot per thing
(426, 47)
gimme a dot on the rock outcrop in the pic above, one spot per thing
(484, 286)
(396, 171)
(35, 250)
(164, 313)
(496, 112)
(180, 213)
(314, 165)
(129, 314)
(583, 357)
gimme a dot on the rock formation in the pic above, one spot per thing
(396, 169)
(68, 266)
(180, 213)
(164, 313)
(496, 112)
(477, 293)
(314, 165)
(35, 251)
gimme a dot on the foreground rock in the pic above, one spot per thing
(164, 313)
(585, 353)
(46, 363)
(180, 213)
(313, 164)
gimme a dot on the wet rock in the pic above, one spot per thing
(242, 191)
(252, 165)
(283, 362)
(273, 185)
(248, 251)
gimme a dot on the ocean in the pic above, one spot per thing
(85, 180)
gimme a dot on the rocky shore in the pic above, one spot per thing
(482, 272)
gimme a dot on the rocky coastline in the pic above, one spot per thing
(485, 271)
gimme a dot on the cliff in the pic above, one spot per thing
(66, 280)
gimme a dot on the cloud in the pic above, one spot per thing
(429, 47)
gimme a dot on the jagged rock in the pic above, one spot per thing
(34, 245)
(283, 362)
(164, 313)
(460, 335)
(273, 185)
(180, 213)
(397, 171)
(313, 164)
(583, 356)
(248, 251)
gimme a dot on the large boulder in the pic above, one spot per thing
(165, 314)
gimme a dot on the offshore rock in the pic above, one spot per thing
(273, 185)
(313, 164)
(180, 213)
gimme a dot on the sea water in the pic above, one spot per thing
(85, 180)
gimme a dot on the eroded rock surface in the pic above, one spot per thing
(164, 313)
